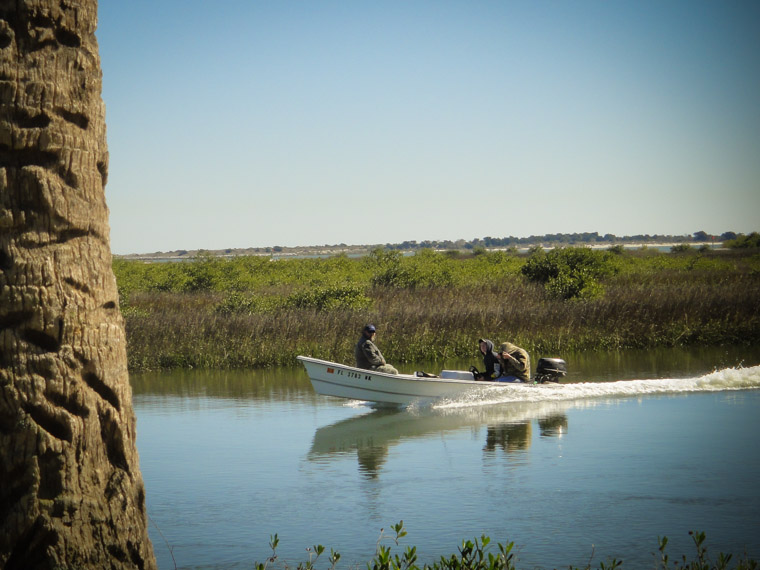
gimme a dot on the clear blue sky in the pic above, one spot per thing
(245, 123)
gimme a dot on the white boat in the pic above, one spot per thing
(343, 381)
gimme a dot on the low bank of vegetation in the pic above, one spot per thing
(477, 555)
(252, 311)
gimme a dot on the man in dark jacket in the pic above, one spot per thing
(368, 356)
(490, 360)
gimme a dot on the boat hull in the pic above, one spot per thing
(342, 381)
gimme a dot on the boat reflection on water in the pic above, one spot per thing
(508, 437)
(517, 436)
(371, 435)
(553, 426)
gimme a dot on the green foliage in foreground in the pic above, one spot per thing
(474, 555)
(251, 312)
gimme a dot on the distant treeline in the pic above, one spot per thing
(743, 241)
(582, 238)
(728, 239)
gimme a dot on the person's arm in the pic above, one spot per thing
(518, 360)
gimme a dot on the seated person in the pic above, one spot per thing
(514, 362)
(490, 361)
(368, 356)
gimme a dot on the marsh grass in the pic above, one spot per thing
(248, 313)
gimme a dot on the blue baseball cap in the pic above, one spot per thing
(369, 328)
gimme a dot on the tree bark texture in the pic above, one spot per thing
(71, 492)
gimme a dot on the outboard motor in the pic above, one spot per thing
(550, 370)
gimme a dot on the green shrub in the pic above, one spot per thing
(580, 285)
(385, 266)
(329, 298)
(425, 268)
(569, 273)
(239, 303)
(616, 249)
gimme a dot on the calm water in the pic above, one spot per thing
(634, 446)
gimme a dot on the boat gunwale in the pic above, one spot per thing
(423, 379)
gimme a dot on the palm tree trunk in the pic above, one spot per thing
(71, 492)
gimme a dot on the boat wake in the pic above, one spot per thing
(377, 430)
(717, 381)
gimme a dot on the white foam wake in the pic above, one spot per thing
(720, 380)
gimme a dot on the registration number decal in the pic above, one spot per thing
(356, 375)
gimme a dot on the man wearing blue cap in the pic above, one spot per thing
(368, 356)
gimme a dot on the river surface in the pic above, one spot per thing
(634, 446)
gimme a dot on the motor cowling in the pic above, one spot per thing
(550, 370)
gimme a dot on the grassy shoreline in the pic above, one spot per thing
(252, 312)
